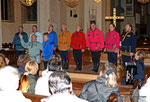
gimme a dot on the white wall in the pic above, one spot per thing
(55, 15)
(72, 21)
(43, 14)
(28, 28)
(89, 4)
(10, 28)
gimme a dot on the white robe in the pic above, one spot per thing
(12, 96)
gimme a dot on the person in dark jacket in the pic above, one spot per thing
(139, 56)
(128, 44)
(17, 43)
(29, 80)
(21, 62)
(100, 89)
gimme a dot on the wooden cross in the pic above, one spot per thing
(114, 17)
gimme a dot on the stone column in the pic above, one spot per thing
(0, 27)
(43, 15)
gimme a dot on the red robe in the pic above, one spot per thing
(78, 40)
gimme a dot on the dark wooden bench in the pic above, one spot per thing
(34, 98)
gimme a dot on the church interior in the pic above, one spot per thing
(42, 13)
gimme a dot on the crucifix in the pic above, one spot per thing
(114, 17)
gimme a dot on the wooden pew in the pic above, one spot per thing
(79, 79)
(34, 98)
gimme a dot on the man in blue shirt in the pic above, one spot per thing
(52, 32)
(17, 43)
(38, 34)
(47, 48)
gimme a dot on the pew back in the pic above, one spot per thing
(34, 98)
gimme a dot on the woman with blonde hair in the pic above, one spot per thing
(100, 89)
(28, 80)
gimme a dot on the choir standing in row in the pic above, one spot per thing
(77, 42)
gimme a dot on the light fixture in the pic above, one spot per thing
(27, 2)
(97, 1)
(72, 3)
(143, 1)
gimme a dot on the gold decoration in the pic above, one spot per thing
(72, 3)
(97, 1)
(114, 17)
(27, 2)
(143, 1)
(119, 67)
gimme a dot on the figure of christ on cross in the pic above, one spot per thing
(114, 17)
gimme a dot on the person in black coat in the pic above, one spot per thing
(128, 44)
(100, 89)
(140, 69)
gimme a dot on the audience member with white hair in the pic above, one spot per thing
(60, 86)
(9, 82)
(100, 89)
(144, 95)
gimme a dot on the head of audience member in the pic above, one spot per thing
(93, 25)
(60, 82)
(128, 27)
(54, 64)
(31, 68)
(111, 27)
(22, 60)
(139, 55)
(45, 37)
(113, 98)
(9, 79)
(2, 60)
(50, 28)
(20, 29)
(34, 38)
(34, 28)
(78, 28)
(108, 72)
(63, 27)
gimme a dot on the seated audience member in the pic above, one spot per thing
(54, 64)
(144, 95)
(28, 80)
(9, 82)
(100, 89)
(60, 87)
(21, 62)
(3, 60)
(139, 56)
